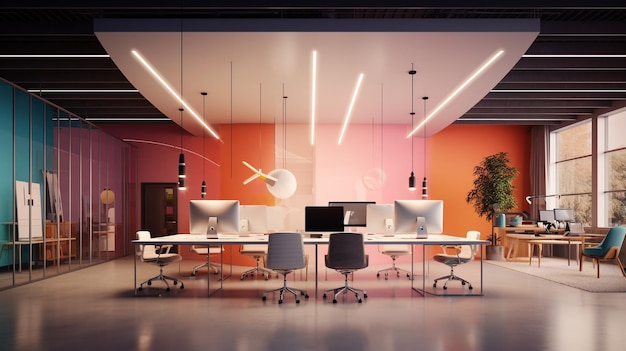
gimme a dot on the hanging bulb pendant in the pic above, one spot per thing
(203, 189)
(412, 181)
(424, 189)
(181, 172)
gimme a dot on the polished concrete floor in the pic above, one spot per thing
(96, 309)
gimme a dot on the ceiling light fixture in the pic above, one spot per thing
(352, 102)
(412, 73)
(54, 56)
(182, 174)
(203, 186)
(83, 91)
(313, 93)
(172, 92)
(470, 79)
(424, 183)
(573, 56)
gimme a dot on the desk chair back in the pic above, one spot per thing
(469, 251)
(613, 239)
(285, 251)
(346, 251)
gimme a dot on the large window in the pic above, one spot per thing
(615, 169)
(572, 168)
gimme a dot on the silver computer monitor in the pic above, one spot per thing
(354, 212)
(564, 214)
(422, 217)
(546, 216)
(380, 219)
(211, 217)
(252, 219)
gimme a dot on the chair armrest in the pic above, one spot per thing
(456, 248)
(164, 249)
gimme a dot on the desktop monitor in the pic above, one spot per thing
(564, 214)
(380, 219)
(546, 216)
(211, 217)
(253, 219)
(422, 217)
(323, 219)
(354, 212)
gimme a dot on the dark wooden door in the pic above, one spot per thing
(159, 209)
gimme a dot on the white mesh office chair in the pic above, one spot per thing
(462, 254)
(285, 254)
(346, 254)
(394, 251)
(157, 255)
(258, 252)
(207, 251)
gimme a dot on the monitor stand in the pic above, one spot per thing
(211, 231)
(244, 227)
(422, 231)
(389, 227)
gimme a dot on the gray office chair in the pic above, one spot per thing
(207, 251)
(346, 254)
(394, 251)
(462, 254)
(157, 255)
(285, 254)
(258, 252)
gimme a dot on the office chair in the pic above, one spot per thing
(285, 254)
(207, 251)
(607, 249)
(346, 254)
(157, 255)
(463, 254)
(256, 251)
(394, 251)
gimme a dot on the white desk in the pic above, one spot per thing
(433, 239)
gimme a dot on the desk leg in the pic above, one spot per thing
(316, 245)
(135, 274)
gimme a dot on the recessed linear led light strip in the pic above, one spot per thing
(573, 56)
(83, 91)
(176, 96)
(470, 79)
(558, 91)
(54, 56)
(349, 113)
(313, 93)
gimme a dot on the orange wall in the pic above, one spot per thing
(451, 157)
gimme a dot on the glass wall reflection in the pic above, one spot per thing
(67, 188)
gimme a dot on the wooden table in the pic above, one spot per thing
(539, 240)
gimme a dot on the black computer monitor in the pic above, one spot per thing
(211, 217)
(354, 212)
(323, 219)
(418, 216)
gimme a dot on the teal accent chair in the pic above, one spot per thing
(607, 249)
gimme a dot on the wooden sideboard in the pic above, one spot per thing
(521, 250)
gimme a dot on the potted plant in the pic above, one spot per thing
(493, 191)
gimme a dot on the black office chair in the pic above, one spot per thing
(285, 254)
(346, 254)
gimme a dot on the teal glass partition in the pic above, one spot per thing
(66, 187)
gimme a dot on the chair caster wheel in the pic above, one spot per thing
(264, 297)
(365, 296)
(297, 301)
(434, 285)
(360, 301)
(193, 274)
(182, 286)
(149, 282)
(462, 283)
(175, 282)
(471, 287)
(168, 289)
(280, 302)
(334, 300)
(377, 274)
(445, 287)
(306, 296)
(324, 296)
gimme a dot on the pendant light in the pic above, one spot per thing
(424, 183)
(181, 157)
(412, 176)
(203, 188)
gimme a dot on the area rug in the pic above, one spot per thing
(557, 270)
